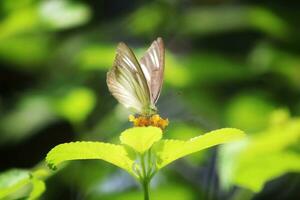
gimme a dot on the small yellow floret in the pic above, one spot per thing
(131, 118)
(154, 120)
(163, 123)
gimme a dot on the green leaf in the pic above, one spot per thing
(273, 149)
(76, 104)
(38, 188)
(66, 14)
(23, 20)
(249, 112)
(152, 13)
(38, 48)
(114, 154)
(252, 173)
(141, 138)
(169, 150)
(32, 113)
(15, 183)
(88, 58)
(220, 20)
(12, 180)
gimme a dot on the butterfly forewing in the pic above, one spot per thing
(126, 80)
(152, 64)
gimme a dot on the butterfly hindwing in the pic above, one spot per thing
(152, 64)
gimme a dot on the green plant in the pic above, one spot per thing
(142, 152)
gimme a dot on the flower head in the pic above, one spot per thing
(153, 120)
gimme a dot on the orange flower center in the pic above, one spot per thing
(153, 120)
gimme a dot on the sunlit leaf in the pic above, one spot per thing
(267, 21)
(60, 14)
(21, 21)
(76, 104)
(12, 180)
(233, 18)
(214, 19)
(213, 68)
(141, 138)
(114, 154)
(170, 150)
(264, 156)
(96, 57)
(153, 14)
(265, 57)
(38, 187)
(30, 115)
(26, 52)
(253, 172)
(249, 112)
(10, 6)
(185, 131)
(17, 182)
(176, 74)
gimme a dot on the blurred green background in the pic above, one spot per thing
(229, 63)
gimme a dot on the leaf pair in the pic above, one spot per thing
(138, 141)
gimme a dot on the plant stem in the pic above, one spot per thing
(244, 194)
(146, 189)
(145, 179)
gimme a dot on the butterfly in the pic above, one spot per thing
(137, 84)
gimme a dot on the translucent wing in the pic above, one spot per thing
(127, 82)
(152, 64)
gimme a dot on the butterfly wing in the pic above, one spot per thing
(126, 80)
(152, 64)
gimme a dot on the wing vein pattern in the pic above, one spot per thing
(137, 85)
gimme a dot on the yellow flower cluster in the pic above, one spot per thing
(153, 120)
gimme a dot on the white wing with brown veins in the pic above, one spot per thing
(152, 64)
(137, 85)
(126, 80)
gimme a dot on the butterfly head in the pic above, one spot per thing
(149, 110)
